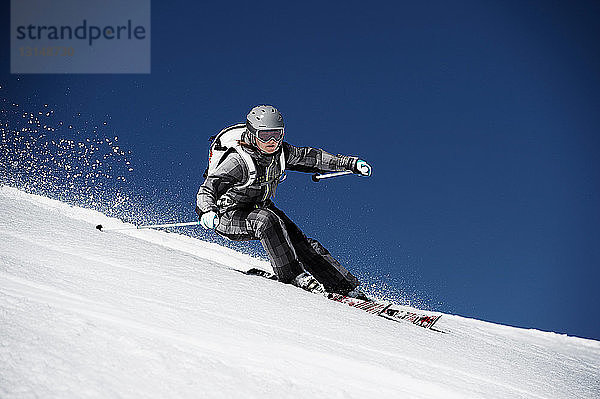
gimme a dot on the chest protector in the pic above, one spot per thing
(228, 141)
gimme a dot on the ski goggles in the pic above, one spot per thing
(267, 135)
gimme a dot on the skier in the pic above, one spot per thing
(234, 200)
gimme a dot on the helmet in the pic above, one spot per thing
(262, 117)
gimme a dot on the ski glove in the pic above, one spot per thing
(363, 168)
(209, 220)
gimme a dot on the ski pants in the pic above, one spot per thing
(289, 250)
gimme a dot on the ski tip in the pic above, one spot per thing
(99, 227)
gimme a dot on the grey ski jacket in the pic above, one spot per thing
(221, 190)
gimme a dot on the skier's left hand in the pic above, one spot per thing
(209, 220)
(363, 168)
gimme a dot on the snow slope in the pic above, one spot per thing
(150, 314)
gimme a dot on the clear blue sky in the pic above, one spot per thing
(480, 120)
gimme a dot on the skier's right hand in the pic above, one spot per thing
(209, 220)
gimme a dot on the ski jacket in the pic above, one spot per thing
(222, 191)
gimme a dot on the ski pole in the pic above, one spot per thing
(149, 226)
(317, 177)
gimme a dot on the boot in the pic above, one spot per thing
(308, 283)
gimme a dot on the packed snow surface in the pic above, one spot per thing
(150, 314)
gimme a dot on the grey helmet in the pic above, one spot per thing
(262, 117)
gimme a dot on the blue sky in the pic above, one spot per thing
(480, 120)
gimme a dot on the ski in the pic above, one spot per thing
(415, 316)
(390, 310)
(387, 310)
(261, 273)
(372, 307)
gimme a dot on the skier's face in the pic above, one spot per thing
(268, 140)
(269, 147)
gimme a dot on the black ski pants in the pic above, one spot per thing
(289, 250)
